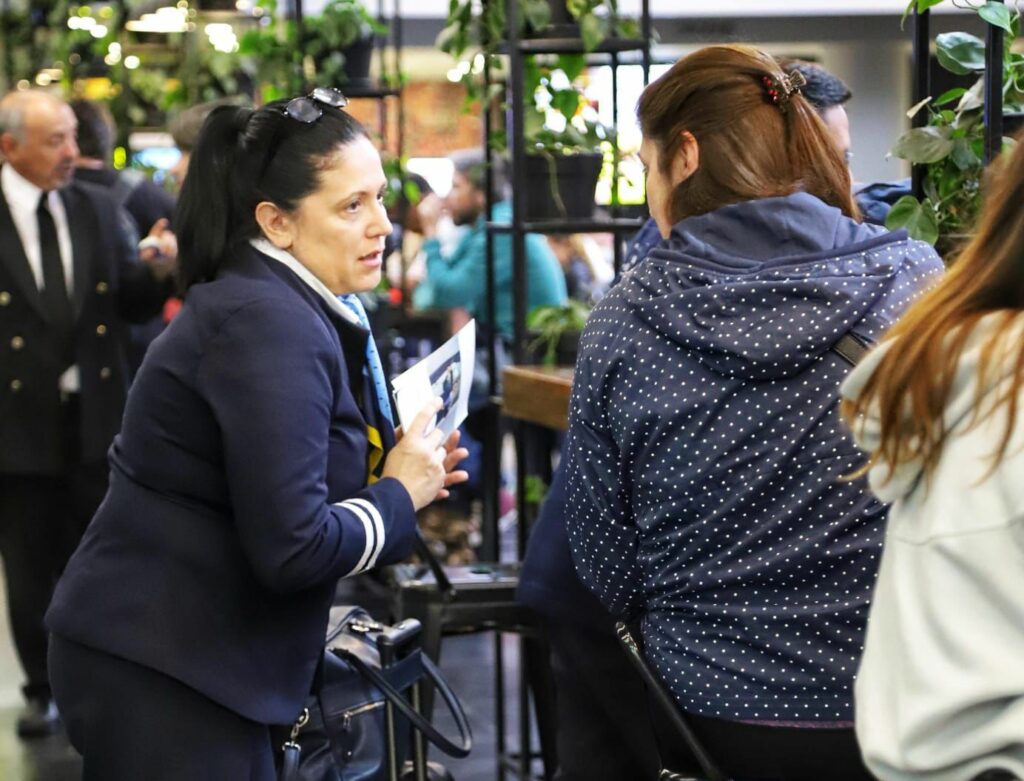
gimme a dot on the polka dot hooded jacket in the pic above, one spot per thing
(705, 453)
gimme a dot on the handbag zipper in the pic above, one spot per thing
(346, 716)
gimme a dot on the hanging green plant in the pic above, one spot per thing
(952, 144)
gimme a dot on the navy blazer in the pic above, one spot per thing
(111, 288)
(239, 496)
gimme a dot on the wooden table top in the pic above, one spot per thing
(538, 394)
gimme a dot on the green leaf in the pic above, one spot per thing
(922, 6)
(963, 155)
(960, 53)
(566, 102)
(949, 96)
(924, 144)
(572, 65)
(973, 99)
(592, 31)
(536, 13)
(998, 15)
(919, 219)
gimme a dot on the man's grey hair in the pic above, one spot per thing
(12, 119)
(472, 164)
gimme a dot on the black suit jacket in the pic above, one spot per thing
(110, 288)
(242, 487)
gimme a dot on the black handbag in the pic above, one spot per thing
(358, 724)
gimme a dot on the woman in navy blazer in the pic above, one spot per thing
(256, 465)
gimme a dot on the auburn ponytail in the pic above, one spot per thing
(751, 146)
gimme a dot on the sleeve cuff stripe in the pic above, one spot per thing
(368, 532)
(378, 523)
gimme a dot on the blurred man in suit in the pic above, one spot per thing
(69, 282)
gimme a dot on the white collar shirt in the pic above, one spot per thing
(262, 245)
(23, 201)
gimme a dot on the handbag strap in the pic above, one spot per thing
(851, 348)
(414, 717)
(667, 704)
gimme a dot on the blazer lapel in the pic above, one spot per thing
(13, 258)
(82, 245)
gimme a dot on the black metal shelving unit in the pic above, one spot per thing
(516, 49)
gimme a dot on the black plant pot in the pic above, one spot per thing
(573, 177)
(565, 351)
(357, 62)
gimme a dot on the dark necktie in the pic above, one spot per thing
(55, 292)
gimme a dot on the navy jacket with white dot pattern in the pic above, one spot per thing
(705, 453)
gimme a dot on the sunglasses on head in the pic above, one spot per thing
(308, 109)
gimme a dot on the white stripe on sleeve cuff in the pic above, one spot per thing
(378, 522)
(372, 532)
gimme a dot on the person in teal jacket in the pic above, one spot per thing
(460, 278)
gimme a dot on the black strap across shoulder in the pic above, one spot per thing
(851, 349)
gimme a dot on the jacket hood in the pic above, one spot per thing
(890, 484)
(761, 289)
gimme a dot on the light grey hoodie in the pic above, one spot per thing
(940, 690)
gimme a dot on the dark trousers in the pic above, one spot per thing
(130, 722)
(748, 752)
(42, 519)
(604, 728)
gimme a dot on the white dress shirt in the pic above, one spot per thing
(23, 202)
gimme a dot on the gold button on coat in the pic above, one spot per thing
(5, 298)
(15, 385)
(105, 373)
(101, 287)
(17, 343)
(101, 329)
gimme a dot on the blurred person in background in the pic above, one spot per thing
(146, 202)
(585, 278)
(459, 279)
(70, 282)
(144, 207)
(184, 128)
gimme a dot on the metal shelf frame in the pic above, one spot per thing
(516, 49)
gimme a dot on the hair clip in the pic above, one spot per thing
(780, 90)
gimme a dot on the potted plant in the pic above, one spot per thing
(556, 331)
(564, 141)
(335, 51)
(951, 145)
(340, 43)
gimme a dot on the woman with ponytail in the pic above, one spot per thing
(940, 690)
(705, 457)
(257, 462)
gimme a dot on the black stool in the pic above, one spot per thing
(478, 598)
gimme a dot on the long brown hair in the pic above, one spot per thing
(749, 147)
(910, 388)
